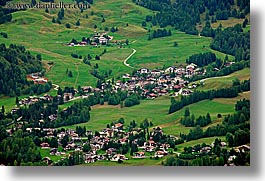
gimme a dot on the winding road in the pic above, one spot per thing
(125, 61)
(56, 87)
(218, 77)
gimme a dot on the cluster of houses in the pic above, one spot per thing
(96, 40)
(34, 99)
(116, 134)
(37, 78)
(170, 80)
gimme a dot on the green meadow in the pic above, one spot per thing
(225, 81)
(33, 29)
(157, 112)
(207, 141)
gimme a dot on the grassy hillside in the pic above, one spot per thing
(225, 81)
(34, 29)
(157, 112)
(208, 141)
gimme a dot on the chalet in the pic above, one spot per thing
(171, 69)
(150, 143)
(41, 80)
(94, 44)
(67, 96)
(215, 69)
(123, 140)
(52, 117)
(111, 151)
(102, 40)
(78, 148)
(160, 153)
(96, 146)
(90, 158)
(47, 160)
(54, 151)
(75, 136)
(242, 148)
(118, 126)
(162, 92)
(143, 71)
(164, 146)
(89, 133)
(14, 110)
(118, 157)
(70, 146)
(126, 76)
(155, 72)
(229, 64)
(223, 144)
(103, 134)
(61, 135)
(152, 96)
(231, 158)
(180, 71)
(186, 92)
(86, 89)
(177, 87)
(45, 145)
(83, 43)
(206, 149)
(139, 154)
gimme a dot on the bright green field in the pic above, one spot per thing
(46, 153)
(10, 102)
(34, 29)
(157, 112)
(225, 81)
(207, 141)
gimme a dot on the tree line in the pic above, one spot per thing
(211, 94)
(235, 124)
(18, 150)
(202, 59)
(235, 127)
(185, 14)
(5, 13)
(159, 33)
(222, 72)
(233, 41)
(189, 120)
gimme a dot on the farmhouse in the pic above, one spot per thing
(102, 40)
(143, 71)
(37, 78)
(67, 96)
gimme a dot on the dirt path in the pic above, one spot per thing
(125, 61)
(77, 75)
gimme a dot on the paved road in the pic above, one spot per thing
(218, 77)
(125, 61)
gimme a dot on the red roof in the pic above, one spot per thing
(177, 87)
(152, 95)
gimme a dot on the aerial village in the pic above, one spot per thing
(169, 81)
